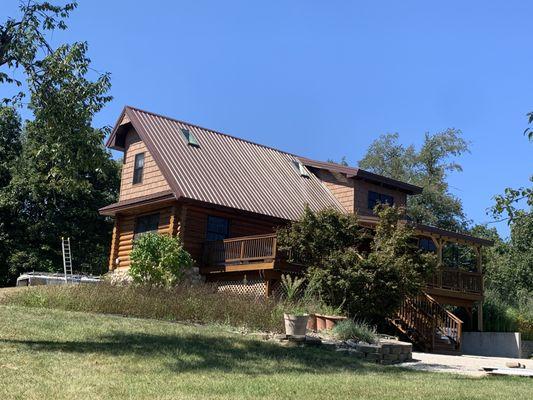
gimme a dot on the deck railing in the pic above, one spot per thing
(457, 280)
(240, 250)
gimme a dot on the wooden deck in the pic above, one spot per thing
(246, 253)
(456, 283)
(260, 252)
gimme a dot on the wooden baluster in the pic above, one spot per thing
(242, 250)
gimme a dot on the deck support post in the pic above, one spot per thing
(439, 243)
(480, 316)
(268, 287)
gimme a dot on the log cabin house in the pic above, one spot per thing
(225, 196)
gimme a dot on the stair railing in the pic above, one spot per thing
(426, 318)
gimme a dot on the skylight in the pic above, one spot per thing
(189, 137)
(301, 169)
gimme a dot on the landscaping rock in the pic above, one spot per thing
(351, 343)
(330, 343)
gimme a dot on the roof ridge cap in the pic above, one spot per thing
(212, 130)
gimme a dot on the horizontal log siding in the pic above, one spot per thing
(125, 228)
(195, 227)
(361, 196)
(340, 186)
(152, 181)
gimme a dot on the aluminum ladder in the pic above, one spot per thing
(67, 257)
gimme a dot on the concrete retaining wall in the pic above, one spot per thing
(492, 344)
(527, 348)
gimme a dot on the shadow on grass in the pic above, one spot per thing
(190, 352)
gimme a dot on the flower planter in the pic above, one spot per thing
(324, 322)
(332, 320)
(311, 323)
(295, 325)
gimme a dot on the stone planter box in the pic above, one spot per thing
(384, 352)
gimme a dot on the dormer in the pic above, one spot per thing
(357, 190)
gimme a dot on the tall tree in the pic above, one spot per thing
(514, 275)
(23, 41)
(64, 174)
(10, 148)
(427, 167)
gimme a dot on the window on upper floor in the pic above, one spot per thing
(217, 228)
(145, 224)
(138, 167)
(379, 198)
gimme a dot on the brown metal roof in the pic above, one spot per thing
(358, 173)
(232, 172)
(225, 170)
(432, 230)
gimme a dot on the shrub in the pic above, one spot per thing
(187, 303)
(291, 286)
(366, 278)
(158, 260)
(499, 316)
(315, 235)
(355, 330)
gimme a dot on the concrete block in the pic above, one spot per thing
(372, 357)
(368, 348)
(404, 357)
(406, 349)
(396, 350)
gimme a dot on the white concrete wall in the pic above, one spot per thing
(492, 344)
(526, 348)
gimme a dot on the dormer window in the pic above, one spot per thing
(301, 169)
(138, 167)
(189, 137)
(375, 198)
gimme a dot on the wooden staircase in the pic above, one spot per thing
(431, 327)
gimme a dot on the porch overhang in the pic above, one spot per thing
(436, 233)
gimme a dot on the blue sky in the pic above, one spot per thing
(324, 79)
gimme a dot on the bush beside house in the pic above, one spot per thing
(159, 260)
(367, 276)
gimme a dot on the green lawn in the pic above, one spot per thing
(52, 354)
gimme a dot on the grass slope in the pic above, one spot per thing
(57, 354)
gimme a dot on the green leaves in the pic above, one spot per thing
(427, 167)
(158, 260)
(63, 173)
(23, 40)
(365, 275)
(509, 202)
